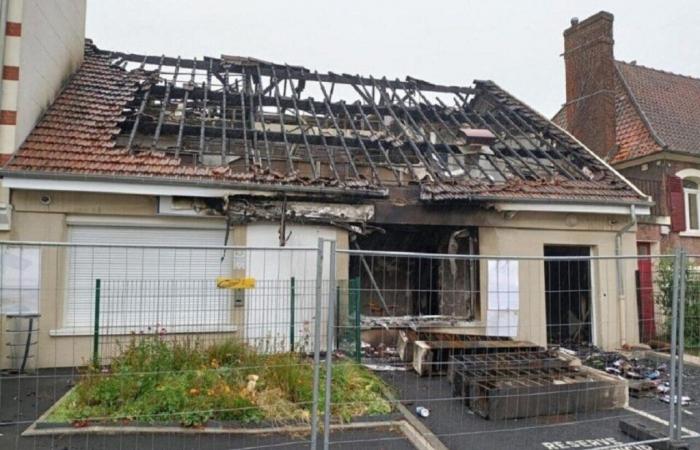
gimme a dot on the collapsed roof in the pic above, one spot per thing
(233, 121)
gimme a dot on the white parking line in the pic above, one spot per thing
(689, 433)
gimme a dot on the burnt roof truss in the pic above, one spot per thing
(257, 116)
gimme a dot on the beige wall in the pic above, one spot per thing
(53, 34)
(48, 51)
(532, 315)
(35, 221)
(523, 235)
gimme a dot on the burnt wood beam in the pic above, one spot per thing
(189, 87)
(419, 154)
(537, 144)
(205, 112)
(280, 111)
(296, 73)
(521, 147)
(360, 141)
(164, 103)
(258, 89)
(495, 149)
(324, 141)
(574, 165)
(419, 130)
(244, 123)
(454, 135)
(314, 170)
(339, 133)
(464, 107)
(376, 138)
(223, 119)
(370, 97)
(142, 108)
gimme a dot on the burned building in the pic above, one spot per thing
(276, 154)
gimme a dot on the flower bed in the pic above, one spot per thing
(158, 381)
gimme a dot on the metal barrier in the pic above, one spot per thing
(155, 346)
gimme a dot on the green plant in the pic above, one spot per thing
(159, 380)
(664, 299)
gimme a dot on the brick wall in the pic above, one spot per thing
(590, 82)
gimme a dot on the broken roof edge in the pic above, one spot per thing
(495, 201)
(590, 152)
(160, 185)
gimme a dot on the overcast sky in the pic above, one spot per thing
(516, 43)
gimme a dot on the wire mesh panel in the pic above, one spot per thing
(141, 346)
(566, 350)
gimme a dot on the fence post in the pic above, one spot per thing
(291, 316)
(680, 350)
(678, 281)
(96, 331)
(317, 343)
(332, 291)
(358, 336)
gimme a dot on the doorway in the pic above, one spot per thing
(568, 299)
(645, 293)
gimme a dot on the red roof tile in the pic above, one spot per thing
(78, 136)
(669, 103)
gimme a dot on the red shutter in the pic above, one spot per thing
(676, 203)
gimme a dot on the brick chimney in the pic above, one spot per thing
(590, 82)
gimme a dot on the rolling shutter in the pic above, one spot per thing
(146, 289)
(675, 203)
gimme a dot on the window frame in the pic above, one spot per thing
(687, 192)
(694, 176)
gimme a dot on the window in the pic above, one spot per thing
(146, 289)
(19, 280)
(691, 190)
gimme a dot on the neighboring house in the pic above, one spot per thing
(643, 121)
(163, 150)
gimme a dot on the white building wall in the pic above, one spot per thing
(52, 45)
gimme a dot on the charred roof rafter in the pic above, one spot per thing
(357, 126)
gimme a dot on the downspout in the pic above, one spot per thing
(621, 296)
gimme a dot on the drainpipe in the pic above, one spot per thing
(620, 274)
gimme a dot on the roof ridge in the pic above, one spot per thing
(665, 72)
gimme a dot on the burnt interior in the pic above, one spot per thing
(397, 285)
(568, 293)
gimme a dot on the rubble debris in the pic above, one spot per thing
(648, 377)
(385, 367)
(434, 357)
(642, 388)
(533, 383)
(666, 398)
(409, 322)
(422, 412)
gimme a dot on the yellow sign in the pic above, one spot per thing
(235, 283)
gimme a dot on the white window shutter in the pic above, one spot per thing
(147, 289)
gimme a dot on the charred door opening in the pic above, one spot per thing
(414, 284)
(568, 295)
